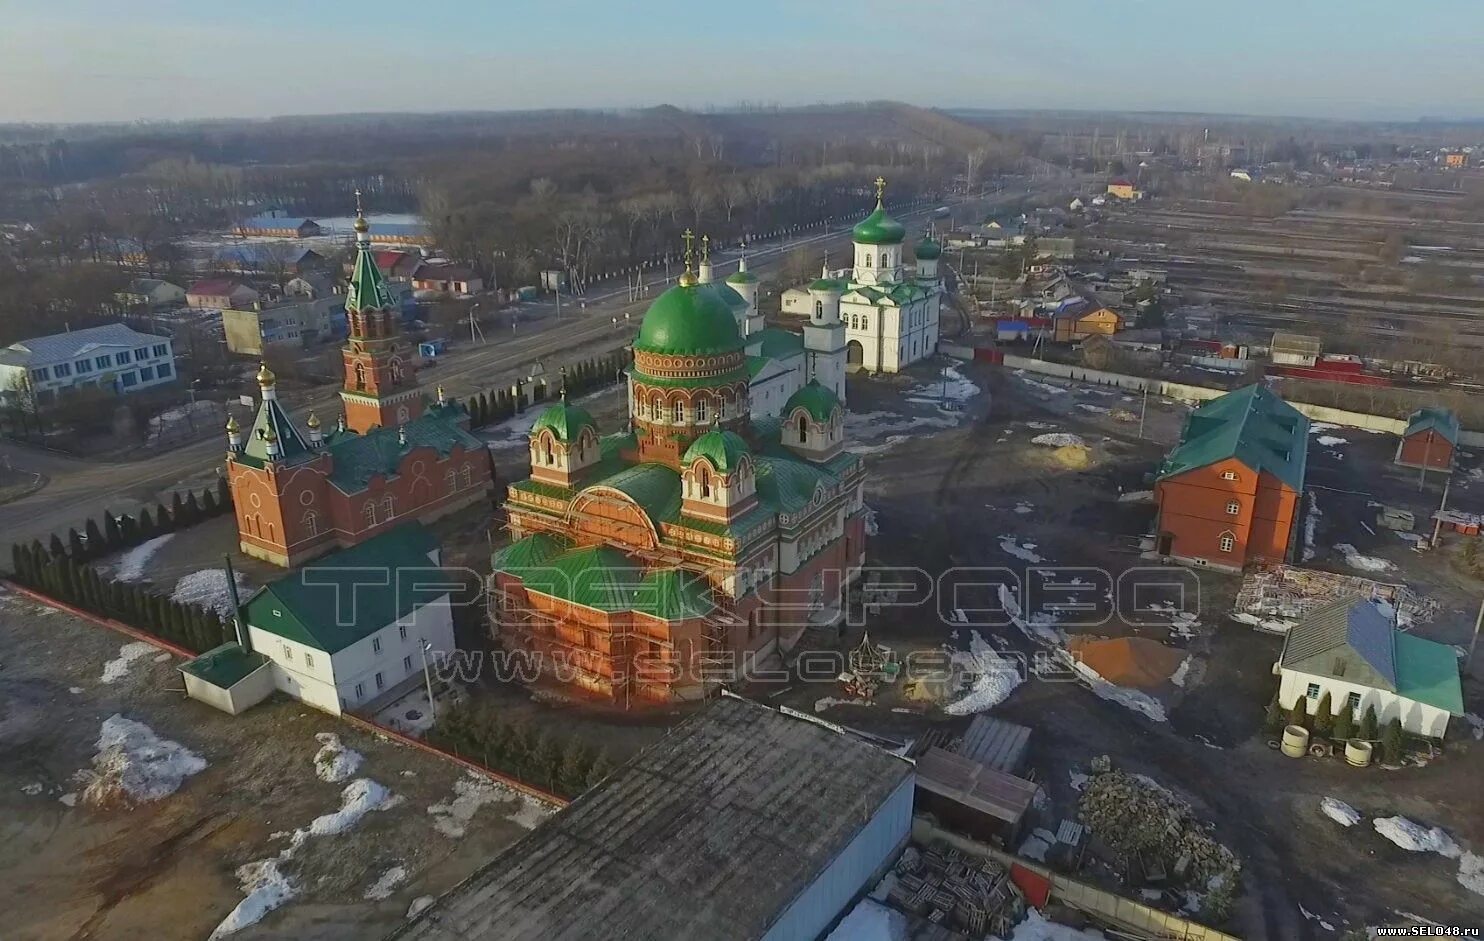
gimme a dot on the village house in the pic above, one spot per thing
(1429, 441)
(152, 293)
(254, 330)
(220, 294)
(1070, 326)
(1229, 492)
(112, 358)
(446, 279)
(1294, 349)
(398, 265)
(1351, 651)
(1124, 189)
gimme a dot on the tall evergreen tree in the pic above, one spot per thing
(145, 526)
(208, 504)
(113, 538)
(75, 549)
(164, 522)
(223, 492)
(97, 545)
(192, 509)
(128, 530)
(58, 550)
(177, 510)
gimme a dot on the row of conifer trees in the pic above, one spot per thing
(581, 378)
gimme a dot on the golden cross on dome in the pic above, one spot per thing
(358, 200)
(705, 248)
(688, 277)
(880, 187)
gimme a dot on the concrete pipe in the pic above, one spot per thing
(1295, 741)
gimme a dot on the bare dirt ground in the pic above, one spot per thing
(166, 869)
(946, 499)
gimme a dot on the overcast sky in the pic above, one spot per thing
(85, 60)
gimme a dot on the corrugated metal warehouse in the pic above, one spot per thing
(742, 823)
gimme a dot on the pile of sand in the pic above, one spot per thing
(1135, 662)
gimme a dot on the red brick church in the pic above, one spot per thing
(393, 456)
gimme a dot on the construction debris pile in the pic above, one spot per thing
(1158, 839)
(1275, 597)
(954, 889)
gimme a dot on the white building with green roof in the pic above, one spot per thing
(889, 314)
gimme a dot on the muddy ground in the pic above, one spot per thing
(166, 869)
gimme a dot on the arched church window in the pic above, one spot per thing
(677, 412)
(724, 406)
(360, 375)
(883, 260)
(868, 259)
(467, 475)
(705, 483)
(451, 480)
(368, 513)
(865, 322)
(388, 508)
(803, 429)
(311, 523)
(819, 308)
(546, 454)
(396, 371)
(659, 409)
(701, 410)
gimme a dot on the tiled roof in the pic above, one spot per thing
(309, 606)
(62, 347)
(358, 458)
(213, 287)
(1253, 426)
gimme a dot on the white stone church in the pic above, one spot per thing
(890, 319)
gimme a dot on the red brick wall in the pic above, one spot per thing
(1193, 510)
(1427, 447)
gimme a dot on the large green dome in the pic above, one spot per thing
(879, 229)
(565, 421)
(689, 320)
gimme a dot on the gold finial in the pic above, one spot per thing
(313, 421)
(361, 225)
(232, 426)
(880, 188)
(441, 397)
(269, 435)
(688, 277)
(265, 376)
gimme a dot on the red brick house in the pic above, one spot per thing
(1230, 492)
(393, 457)
(1429, 441)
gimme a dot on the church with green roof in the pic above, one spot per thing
(889, 312)
(651, 563)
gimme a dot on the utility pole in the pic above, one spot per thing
(422, 650)
(1143, 409)
(1426, 458)
(1469, 660)
(1437, 522)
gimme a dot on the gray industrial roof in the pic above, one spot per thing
(61, 347)
(996, 743)
(709, 833)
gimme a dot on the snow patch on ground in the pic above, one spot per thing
(1477, 723)
(386, 883)
(1311, 525)
(871, 921)
(1364, 563)
(419, 905)
(209, 589)
(359, 798)
(1339, 811)
(451, 817)
(1182, 671)
(1137, 496)
(1037, 928)
(131, 564)
(1040, 628)
(1022, 551)
(265, 888)
(1413, 836)
(1023, 508)
(1038, 384)
(1059, 439)
(118, 668)
(994, 677)
(334, 762)
(829, 702)
(954, 387)
(1330, 441)
(135, 765)
(1134, 699)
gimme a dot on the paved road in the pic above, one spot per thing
(80, 488)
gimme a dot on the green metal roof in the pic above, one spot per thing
(755, 365)
(778, 343)
(742, 277)
(225, 666)
(1253, 426)
(565, 421)
(826, 284)
(726, 294)
(787, 486)
(816, 399)
(690, 320)
(1444, 421)
(359, 457)
(291, 445)
(654, 487)
(927, 248)
(368, 289)
(534, 550)
(595, 577)
(1427, 672)
(724, 449)
(673, 595)
(878, 229)
(339, 599)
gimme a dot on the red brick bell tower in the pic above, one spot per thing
(380, 373)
